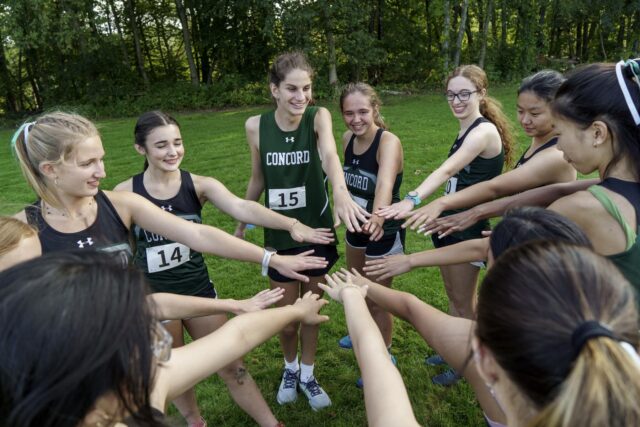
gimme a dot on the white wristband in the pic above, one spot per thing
(266, 258)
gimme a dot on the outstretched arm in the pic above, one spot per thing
(548, 167)
(450, 336)
(172, 306)
(196, 361)
(385, 395)
(133, 208)
(344, 208)
(249, 211)
(542, 196)
(390, 266)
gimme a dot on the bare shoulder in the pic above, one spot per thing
(21, 216)
(322, 118)
(389, 138)
(581, 207)
(124, 185)
(252, 128)
(486, 130)
(346, 136)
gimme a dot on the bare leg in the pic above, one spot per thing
(186, 403)
(289, 335)
(460, 283)
(356, 259)
(241, 385)
(309, 333)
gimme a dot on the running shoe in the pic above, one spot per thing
(435, 360)
(318, 398)
(288, 390)
(345, 342)
(447, 378)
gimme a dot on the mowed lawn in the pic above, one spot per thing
(216, 146)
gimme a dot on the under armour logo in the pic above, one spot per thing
(167, 208)
(81, 244)
(356, 162)
(289, 139)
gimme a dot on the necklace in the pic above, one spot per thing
(51, 211)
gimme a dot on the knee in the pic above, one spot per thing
(290, 331)
(235, 372)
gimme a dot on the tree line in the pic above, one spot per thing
(100, 51)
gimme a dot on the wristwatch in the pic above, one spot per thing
(413, 196)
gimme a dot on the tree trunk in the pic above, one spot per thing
(503, 17)
(445, 36)
(485, 33)
(133, 23)
(116, 20)
(463, 23)
(331, 47)
(182, 14)
(10, 98)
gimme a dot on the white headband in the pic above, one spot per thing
(627, 95)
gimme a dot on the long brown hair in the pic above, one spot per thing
(490, 107)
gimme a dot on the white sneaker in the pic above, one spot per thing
(288, 390)
(318, 398)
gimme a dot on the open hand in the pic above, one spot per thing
(289, 265)
(309, 306)
(398, 210)
(259, 301)
(388, 266)
(302, 233)
(337, 284)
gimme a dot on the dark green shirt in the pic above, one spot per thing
(295, 184)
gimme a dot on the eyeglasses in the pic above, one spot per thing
(162, 341)
(463, 96)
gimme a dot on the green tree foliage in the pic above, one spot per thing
(103, 53)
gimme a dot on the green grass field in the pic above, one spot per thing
(216, 146)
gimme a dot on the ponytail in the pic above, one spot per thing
(602, 389)
(491, 109)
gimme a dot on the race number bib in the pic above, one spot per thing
(165, 257)
(282, 199)
(452, 183)
(360, 201)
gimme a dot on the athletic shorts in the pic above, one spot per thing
(389, 244)
(451, 240)
(207, 292)
(328, 252)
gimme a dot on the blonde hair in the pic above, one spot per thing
(12, 231)
(370, 93)
(490, 107)
(50, 139)
(530, 306)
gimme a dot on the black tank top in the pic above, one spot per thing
(628, 189)
(107, 233)
(361, 177)
(171, 266)
(523, 159)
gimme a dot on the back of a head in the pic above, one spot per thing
(526, 224)
(74, 327)
(530, 306)
(12, 231)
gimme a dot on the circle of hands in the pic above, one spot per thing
(343, 280)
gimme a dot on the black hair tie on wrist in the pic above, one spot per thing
(586, 331)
